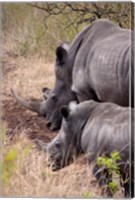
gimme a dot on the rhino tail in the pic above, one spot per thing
(31, 105)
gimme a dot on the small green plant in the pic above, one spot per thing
(45, 174)
(9, 162)
(87, 195)
(110, 163)
(113, 186)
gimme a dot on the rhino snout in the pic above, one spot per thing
(54, 149)
(48, 124)
(55, 155)
(53, 124)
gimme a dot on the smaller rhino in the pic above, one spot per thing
(94, 129)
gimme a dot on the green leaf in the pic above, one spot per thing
(87, 195)
(12, 155)
(113, 187)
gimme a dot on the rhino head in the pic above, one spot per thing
(60, 95)
(68, 143)
(66, 146)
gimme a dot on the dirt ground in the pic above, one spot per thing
(16, 116)
(19, 118)
(27, 76)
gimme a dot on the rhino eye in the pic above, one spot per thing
(57, 145)
(54, 97)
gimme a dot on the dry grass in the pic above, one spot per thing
(27, 76)
(31, 176)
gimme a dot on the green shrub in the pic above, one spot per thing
(110, 163)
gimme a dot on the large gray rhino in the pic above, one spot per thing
(94, 129)
(97, 65)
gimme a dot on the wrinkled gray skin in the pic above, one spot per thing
(94, 129)
(95, 66)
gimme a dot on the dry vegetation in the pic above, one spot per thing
(25, 170)
(31, 175)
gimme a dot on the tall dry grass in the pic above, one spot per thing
(28, 76)
(33, 178)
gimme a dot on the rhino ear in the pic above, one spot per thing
(64, 110)
(46, 92)
(61, 54)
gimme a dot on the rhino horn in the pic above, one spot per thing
(41, 145)
(35, 106)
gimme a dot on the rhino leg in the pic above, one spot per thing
(125, 183)
(126, 189)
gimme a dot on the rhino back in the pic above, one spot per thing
(78, 41)
(75, 46)
(109, 68)
(107, 130)
(102, 63)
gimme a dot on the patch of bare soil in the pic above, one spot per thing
(19, 119)
(26, 78)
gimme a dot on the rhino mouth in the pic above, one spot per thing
(55, 166)
(55, 161)
(54, 125)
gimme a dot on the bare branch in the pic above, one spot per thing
(85, 12)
